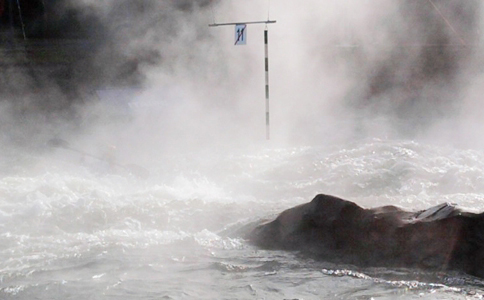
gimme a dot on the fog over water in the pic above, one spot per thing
(376, 101)
(368, 68)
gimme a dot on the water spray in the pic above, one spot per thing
(132, 168)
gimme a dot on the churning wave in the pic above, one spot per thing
(66, 231)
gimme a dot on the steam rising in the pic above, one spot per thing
(339, 70)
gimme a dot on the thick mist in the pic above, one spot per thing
(339, 71)
(392, 69)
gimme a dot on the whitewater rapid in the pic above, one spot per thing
(70, 231)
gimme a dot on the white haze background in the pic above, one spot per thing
(208, 93)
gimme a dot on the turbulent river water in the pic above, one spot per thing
(70, 231)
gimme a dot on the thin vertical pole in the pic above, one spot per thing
(267, 81)
(21, 19)
(10, 14)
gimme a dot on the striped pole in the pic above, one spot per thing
(21, 19)
(267, 82)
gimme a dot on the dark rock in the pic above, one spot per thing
(440, 238)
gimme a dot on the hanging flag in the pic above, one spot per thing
(240, 34)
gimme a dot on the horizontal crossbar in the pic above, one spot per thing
(239, 23)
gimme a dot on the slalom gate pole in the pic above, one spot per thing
(240, 36)
(266, 46)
